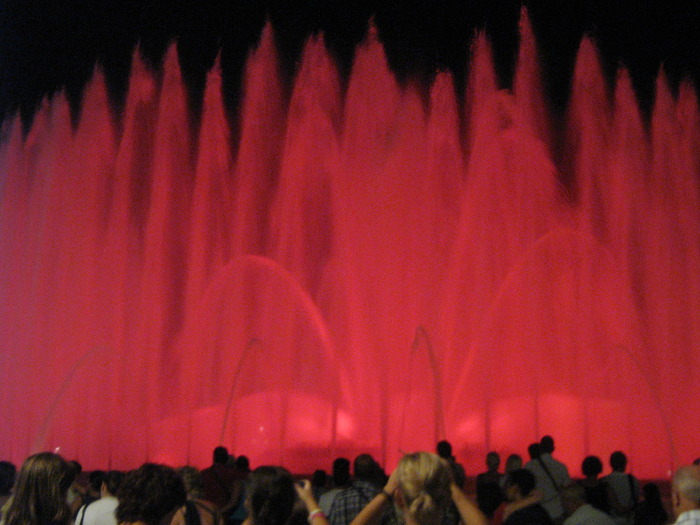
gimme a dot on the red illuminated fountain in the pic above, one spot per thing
(359, 271)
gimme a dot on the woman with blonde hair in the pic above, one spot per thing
(423, 491)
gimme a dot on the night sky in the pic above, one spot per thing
(52, 43)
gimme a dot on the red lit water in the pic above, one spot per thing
(360, 271)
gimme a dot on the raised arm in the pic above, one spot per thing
(372, 513)
(306, 495)
(468, 511)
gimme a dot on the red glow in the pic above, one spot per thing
(354, 274)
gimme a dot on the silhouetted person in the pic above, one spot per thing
(520, 486)
(488, 485)
(8, 471)
(150, 495)
(651, 511)
(597, 491)
(513, 463)
(349, 502)
(444, 450)
(222, 483)
(196, 510)
(341, 481)
(580, 512)
(550, 475)
(624, 487)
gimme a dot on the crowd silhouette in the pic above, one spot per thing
(424, 489)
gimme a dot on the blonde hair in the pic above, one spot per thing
(424, 480)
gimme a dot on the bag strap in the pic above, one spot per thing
(633, 492)
(82, 518)
(549, 474)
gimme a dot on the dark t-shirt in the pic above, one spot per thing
(220, 482)
(531, 515)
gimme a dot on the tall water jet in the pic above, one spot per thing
(258, 283)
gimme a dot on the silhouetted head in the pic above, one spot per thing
(534, 450)
(271, 496)
(149, 494)
(319, 478)
(591, 467)
(493, 460)
(365, 468)
(618, 461)
(113, 480)
(8, 471)
(547, 445)
(95, 479)
(444, 449)
(514, 462)
(424, 487)
(341, 472)
(40, 491)
(221, 455)
(520, 484)
(243, 463)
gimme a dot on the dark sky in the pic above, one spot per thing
(50, 43)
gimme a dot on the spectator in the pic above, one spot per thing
(685, 495)
(102, 510)
(423, 491)
(651, 511)
(196, 510)
(580, 512)
(150, 495)
(341, 481)
(624, 489)
(41, 491)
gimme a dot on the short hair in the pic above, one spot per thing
(341, 472)
(618, 460)
(513, 462)
(364, 467)
(95, 479)
(547, 444)
(8, 471)
(687, 481)
(40, 491)
(493, 460)
(149, 493)
(591, 466)
(319, 477)
(424, 480)
(534, 450)
(220, 455)
(271, 495)
(113, 480)
(243, 463)
(444, 449)
(523, 479)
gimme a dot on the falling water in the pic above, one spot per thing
(267, 293)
